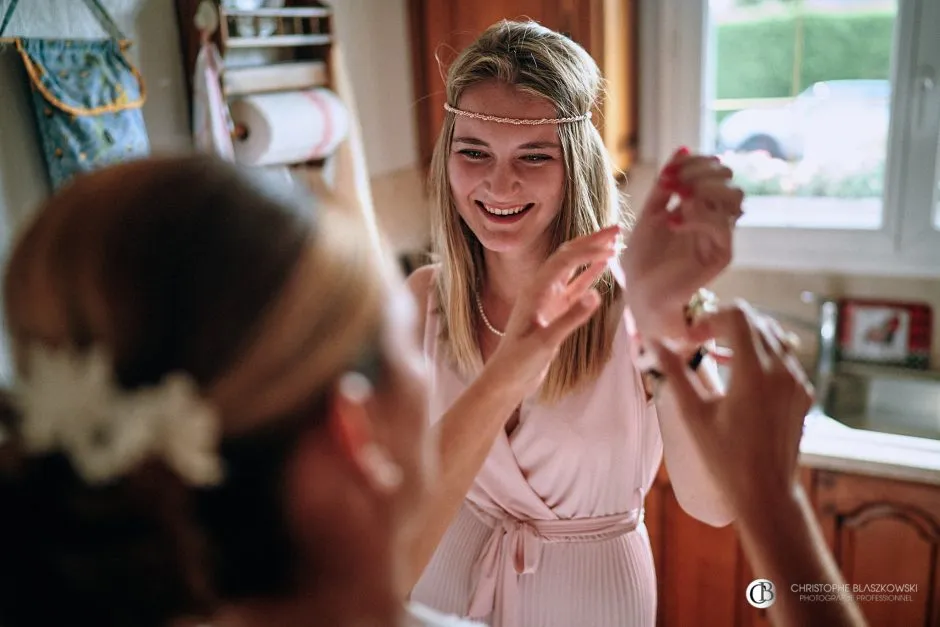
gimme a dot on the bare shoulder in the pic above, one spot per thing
(421, 282)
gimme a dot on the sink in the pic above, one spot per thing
(886, 400)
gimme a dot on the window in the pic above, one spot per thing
(828, 112)
(936, 212)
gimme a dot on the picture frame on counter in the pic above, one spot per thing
(885, 332)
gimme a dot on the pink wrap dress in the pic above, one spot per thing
(551, 533)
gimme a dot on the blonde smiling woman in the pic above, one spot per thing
(546, 460)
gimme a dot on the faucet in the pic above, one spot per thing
(825, 327)
(827, 351)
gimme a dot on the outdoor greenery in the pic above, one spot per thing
(756, 56)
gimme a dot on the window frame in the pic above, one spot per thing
(673, 35)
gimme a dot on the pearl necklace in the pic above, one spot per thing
(486, 321)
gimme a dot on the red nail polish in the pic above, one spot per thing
(671, 170)
(674, 219)
(668, 182)
(683, 150)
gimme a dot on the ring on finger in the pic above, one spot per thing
(790, 341)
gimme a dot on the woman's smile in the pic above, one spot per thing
(504, 214)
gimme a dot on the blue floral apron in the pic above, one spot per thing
(87, 99)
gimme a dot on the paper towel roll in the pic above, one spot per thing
(289, 127)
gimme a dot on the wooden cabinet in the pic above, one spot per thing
(696, 564)
(881, 532)
(605, 28)
(885, 532)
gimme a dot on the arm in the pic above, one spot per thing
(696, 489)
(670, 254)
(750, 438)
(783, 542)
(544, 314)
(464, 436)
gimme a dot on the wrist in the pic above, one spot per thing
(501, 381)
(650, 312)
(780, 521)
(693, 354)
(762, 507)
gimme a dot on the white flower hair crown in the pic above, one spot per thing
(70, 403)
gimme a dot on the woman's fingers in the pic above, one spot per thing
(787, 346)
(579, 312)
(718, 191)
(554, 291)
(700, 222)
(683, 174)
(789, 376)
(557, 303)
(678, 159)
(582, 282)
(585, 250)
(706, 179)
(711, 213)
(699, 167)
(716, 241)
(736, 327)
(658, 199)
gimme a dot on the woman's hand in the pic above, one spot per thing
(749, 438)
(555, 303)
(672, 253)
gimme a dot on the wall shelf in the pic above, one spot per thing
(297, 39)
(278, 41)
(285, 12)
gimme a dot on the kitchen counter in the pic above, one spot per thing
(830, 445)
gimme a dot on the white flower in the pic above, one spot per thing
(70, 403)
(190, 433)
(59, 384)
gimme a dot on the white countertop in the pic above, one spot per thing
(830, 445)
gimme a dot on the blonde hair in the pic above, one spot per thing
(544, 63)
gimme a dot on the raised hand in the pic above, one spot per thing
(750, 436)
(554, 304)
(672, 252)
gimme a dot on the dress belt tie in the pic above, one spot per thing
(514, 548)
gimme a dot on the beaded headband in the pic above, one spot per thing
(517, 121)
